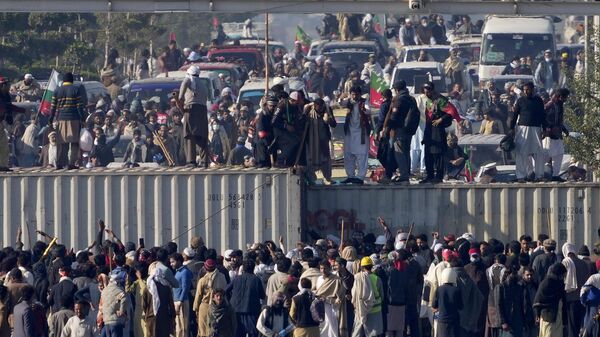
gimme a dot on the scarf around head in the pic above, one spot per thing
(157, 277)
(216, 314)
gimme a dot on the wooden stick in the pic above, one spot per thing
(548, 222)
(342, 239)
(52, 243)
(29, 234)
(412, 225)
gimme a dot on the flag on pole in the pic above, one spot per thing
(378, 85)
(469, 168)
(304, 39)
(45, 105)
(378, 25)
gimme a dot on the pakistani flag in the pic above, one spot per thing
(46, 103)
(378, 85)
(304, 39)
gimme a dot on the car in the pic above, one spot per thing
(259, 43)
(251, 58)
(469, 47)
(501, 80)
(315, 49)
(254, 89)
(415, 74)
(571, 50)
(344, 53)
(235, 75)
(94, 91)
(210, 79)
(149, 88)
(483, 149)
(436, 53)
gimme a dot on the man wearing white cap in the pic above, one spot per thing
(194, 94)
(547, 73)
(27, 90)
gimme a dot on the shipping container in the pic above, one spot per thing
(567, 211)
(229, 208)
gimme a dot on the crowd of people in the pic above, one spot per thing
(417, 137)
(392, 284)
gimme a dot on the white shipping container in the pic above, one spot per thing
(229, 208)
(567, 212)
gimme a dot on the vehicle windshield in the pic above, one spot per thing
(348, 57)
(416, 77)
(469, 52)
(248, 59)
(500, 49)
(163, 91)
(252, 96)
(434, 54)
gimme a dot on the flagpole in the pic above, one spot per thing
(266, 54)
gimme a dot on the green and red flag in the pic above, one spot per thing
(303, 38)
(46, 104)
(378, 25)
(469, 168)
(378, 85)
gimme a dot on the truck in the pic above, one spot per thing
(505, 37)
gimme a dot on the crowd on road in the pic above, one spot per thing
(417, 132)
(391, 284)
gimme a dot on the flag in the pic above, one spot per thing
(469, 168)
(304, 39)
(45, 105)
(378, 25)
(378, 85)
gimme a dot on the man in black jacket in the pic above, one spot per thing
(246, 291)
(402, 125)
(398, 290)
(530, 116)
(553, 141)
(64, 288)
(434, 137)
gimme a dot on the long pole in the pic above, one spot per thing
(266, 54)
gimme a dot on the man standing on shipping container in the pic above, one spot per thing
(526, 125)
(68, 107)
(195, 124)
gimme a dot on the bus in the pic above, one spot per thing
(505, 37)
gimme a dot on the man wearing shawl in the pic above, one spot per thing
(320, 119)
(213, 279)
(577, 275)
(195, 125)
(367, 295)
(158, 305)
(347, 314)
(330, 288)
(221, 318)
(278, 279)
(549, 303)
(397, 293)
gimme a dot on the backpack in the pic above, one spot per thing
(317, 309)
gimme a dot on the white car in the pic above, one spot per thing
(435, 53)
(415, 74)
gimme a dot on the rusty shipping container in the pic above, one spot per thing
(227, 207)
(568, 211)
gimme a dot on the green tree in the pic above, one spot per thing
(582, 111)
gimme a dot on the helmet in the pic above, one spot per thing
(366, 261)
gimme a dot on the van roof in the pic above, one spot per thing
(518, 25)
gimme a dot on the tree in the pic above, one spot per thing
(582, 111)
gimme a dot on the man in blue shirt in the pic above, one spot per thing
(181, 295)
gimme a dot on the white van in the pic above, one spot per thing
(505, 37)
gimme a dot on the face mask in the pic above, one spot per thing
(220, 118)
(547, 59)
(216, 127)
(96, 141)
